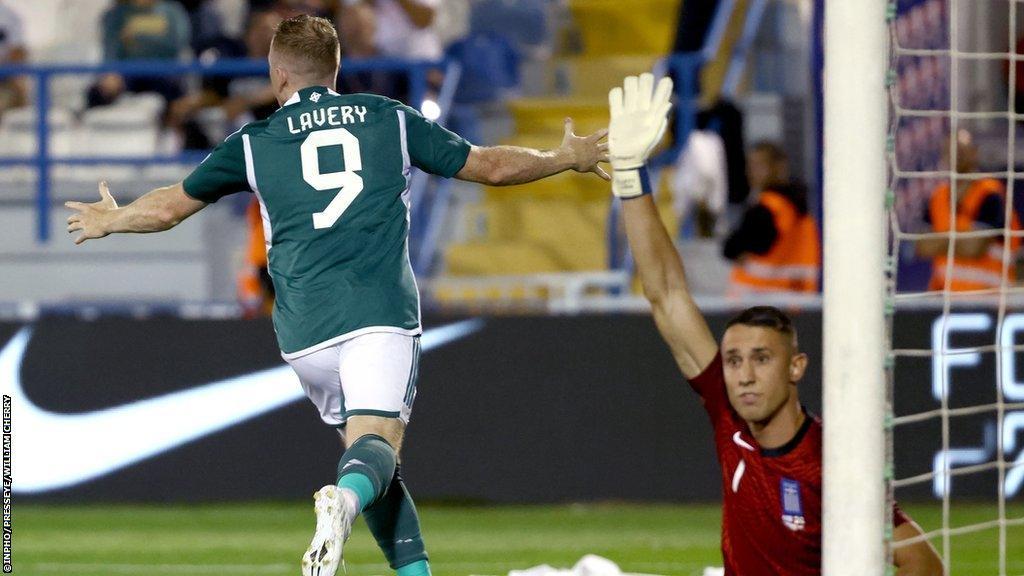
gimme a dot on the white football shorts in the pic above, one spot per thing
(373, 375)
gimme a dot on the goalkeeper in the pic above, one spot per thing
(768, 445)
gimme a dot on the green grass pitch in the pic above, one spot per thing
(268, 538)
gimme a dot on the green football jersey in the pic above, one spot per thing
(332, 173)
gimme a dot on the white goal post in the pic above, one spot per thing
(854, 391)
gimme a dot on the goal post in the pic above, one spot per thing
(854, 237)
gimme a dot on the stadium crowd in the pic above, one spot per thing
(768, 233)
(13, 91)
(747, 198)
(177, 30)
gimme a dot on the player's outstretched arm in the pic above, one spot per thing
(638, 122)
(664, 282)
(506, 165)
(157, 211)
(918, 559)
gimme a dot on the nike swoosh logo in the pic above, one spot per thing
(737, 439)
(738, 475)
(52, 451)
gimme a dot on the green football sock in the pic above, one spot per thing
(366, 469)
(394, 523)
(418, 568)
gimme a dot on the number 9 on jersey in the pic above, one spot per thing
(350, 183)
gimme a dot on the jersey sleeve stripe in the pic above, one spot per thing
(250, 168)
(406, 165)
(250, 175)
(407, 198)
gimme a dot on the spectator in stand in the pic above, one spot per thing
(243, 98)
(776, 246)
(700, 185)
(695, 17)
(403, 28)
(389, 28)
(142, 30)
(767, 164)
(206, 22)
(357, 24)
(357, 30)
(289, 8)
(13, 90)
(980, 205)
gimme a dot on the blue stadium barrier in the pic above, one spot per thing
(738, 60)
(44, 160)
(716, 32)
(429, 210)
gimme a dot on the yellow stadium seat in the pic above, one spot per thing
(498, 258)
(559, 223)
(615, 27)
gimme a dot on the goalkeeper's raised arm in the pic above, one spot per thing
(768, 444)
(638, 120)
(508, 165)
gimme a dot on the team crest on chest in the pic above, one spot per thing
(792, 507)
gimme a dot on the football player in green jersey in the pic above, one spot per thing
(331, 173)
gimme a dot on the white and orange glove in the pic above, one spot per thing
(639, 118)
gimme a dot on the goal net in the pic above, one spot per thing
(953, 302)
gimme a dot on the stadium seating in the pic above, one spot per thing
(558, 224)
(127, 128)
(169, 266)
(18, 130)
(639, 27)
(514, 238)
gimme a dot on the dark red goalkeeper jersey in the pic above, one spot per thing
(771, 505)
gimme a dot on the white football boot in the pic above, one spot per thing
(333, 524)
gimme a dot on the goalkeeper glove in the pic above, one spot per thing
(639, 118)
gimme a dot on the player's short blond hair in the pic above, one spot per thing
(310, 46)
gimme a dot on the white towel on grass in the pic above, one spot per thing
(589, 565)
